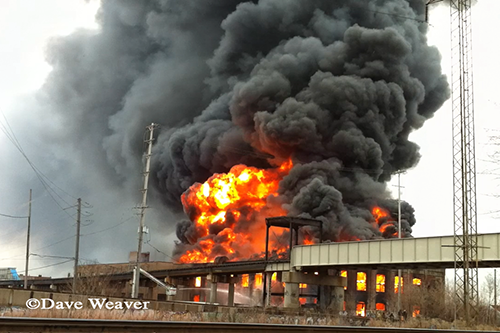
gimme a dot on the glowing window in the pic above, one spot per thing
(416, 311)
(274, 277)
(344, 274)
(302, 300)
(244, 280)
(302, 285)
(396, 284)
(344, 306)
(361, 281)
(380, 283)
(197, 282)
(361, 309)
(417, 281)
(258, 280)
(380, 306)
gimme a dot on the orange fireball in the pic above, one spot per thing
(228, 211)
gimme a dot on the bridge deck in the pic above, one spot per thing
(428, 252)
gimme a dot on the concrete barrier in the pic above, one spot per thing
(6, 296)
(19, 297)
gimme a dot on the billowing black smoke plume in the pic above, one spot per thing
(336, 85)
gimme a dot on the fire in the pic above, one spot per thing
(225, 207)
(197, 282)
(344, 274)
(258, 280)
(361, 281)
(417, 281)
(380, 306)
(384, 220)
(196, 298)
(244, 280)
(361, 309)
(416, 311)
(396, 284)
(380, 283)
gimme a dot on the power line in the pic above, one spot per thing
(13, 217)
(46, 266)
(40, 248)
(7, 130)
(159, 251)
(109, 228)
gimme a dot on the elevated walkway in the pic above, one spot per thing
(427, 252)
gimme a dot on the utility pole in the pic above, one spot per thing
(137, 273)
(399, 236)
(77, 246)
(495, 295)
(27, 244)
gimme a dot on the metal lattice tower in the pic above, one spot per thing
(464, 161)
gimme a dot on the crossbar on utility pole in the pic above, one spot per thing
(27, 244)
(137, 274)
(77, 245)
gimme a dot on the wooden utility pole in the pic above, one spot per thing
(27, 244)
(77, 245)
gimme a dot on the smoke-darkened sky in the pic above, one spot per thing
(81, 121)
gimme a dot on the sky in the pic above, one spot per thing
(25, 29)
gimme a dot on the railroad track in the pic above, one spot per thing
(14, 325)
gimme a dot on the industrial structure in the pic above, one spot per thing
(356, 276)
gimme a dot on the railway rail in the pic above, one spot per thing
(14, 325)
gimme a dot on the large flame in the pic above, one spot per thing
(228, 212)
(384, 221)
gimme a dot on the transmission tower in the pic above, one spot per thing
(464, 161)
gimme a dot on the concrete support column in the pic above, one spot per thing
(391, 297)
(268, 289)
(350, 298)
(213, 288)
(251, 285)
(371, 288)
(292, 295)
(337, 299)
(213, 292)
(230, 294)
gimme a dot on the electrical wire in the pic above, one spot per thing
(159, 251)
(46, 266)
(14, 217)
(109, 228)
(7, 130)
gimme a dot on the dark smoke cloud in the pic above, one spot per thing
(337, 85)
